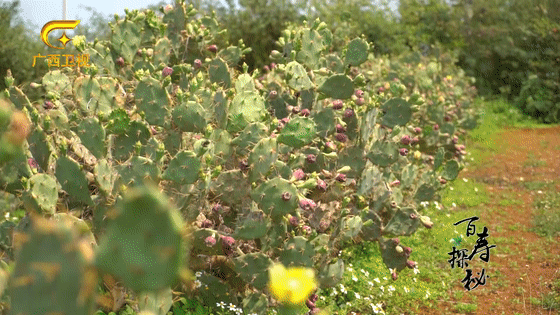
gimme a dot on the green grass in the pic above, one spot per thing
(536, 185)
(546, 220)
(464, 194)
(532, 161)
(430, 247)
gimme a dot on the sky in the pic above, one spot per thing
(39, 12)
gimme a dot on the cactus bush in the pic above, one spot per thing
(174, 163)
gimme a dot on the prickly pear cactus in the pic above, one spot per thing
(174, 158)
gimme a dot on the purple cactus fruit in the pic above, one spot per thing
(266, 68)
(426, 222)
(305, 112)
(228, 241)
(212, 48)
(294, 221)
(461, 147)
(349, 113)
(393, 204)
(210, 241)
(310, 304)
(167, 71)
(340, 178)
(442, 181)
(360, 101)
(394, 275)
(120, 60)
(405, 140)
(227, 244)
(414, 140)
(337, 104)
(311, 158)
(153, 130)
(306, 229)
(407, 250)
(197, 63)
(411, 264)
(217, 208)
(48, 105)
(285, 120)
(417, 130)
(205, 224)
(447, 118)
(321, 184)
(403, 151)
(395, 183)
(314, 297)
(243, 165)
(286, 196)
(295, 110)
(272, 95)
(342, 137)
(32, 163)
(436, 127)
(330, 145)
(455, 140)
(413, 216)
(340, 128)
(380, 90)
(299, 174)
(359, 93)
(307, 204)
(323, 226)
(272, 65)
(396, 241)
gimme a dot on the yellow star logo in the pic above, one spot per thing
(63, 39)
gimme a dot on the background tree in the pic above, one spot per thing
(17, 48)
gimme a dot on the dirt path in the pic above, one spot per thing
(523, 266)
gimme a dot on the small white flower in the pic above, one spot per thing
(357, 295)
(232, 307)
(375, 308)
(377, 280)
(221, 304)
(370, 283)
(348, 304)
(465, 180)
(198, 274)
(322, 297)
(539, 192)
(476, 189)
(385, 278)
(334, 292)
(350, 269)
(406, 290)
(443, 283)
(450, 188)
(414, 279)
(354, 278)
(367, 298)
(416, 271)
(391, 288)
(382, 288)
(427, 294)
(197, 284)
(454, 205)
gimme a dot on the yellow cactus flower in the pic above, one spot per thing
(292, 285)
(417, 155)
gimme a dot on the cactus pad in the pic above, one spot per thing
(143, 244)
